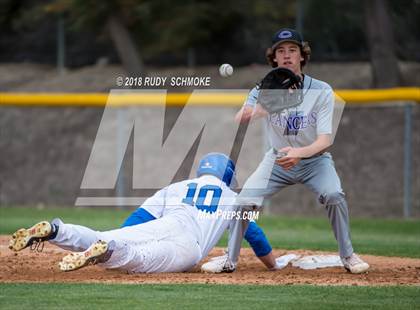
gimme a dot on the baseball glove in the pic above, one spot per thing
(280, 89)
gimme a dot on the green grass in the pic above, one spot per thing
(99, 296)
(370, 236)
(382, 237)
(12, 218)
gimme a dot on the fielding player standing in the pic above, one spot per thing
(298, 139)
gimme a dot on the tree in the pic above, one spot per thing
(380, 36)
(114, 17)
(125, 46)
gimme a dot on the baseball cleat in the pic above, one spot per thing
(216, 258)
(219, 264)
(99, 252)
(32, 237)
(354, 264)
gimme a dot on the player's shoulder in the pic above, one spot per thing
(208, 179)
(199, 182)
(177, 185)
(211, 180)
(313, 83)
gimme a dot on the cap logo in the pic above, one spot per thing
(285, 34)
(206, 165)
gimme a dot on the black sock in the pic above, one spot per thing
(54, 231)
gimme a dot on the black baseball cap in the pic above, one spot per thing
(286, 35)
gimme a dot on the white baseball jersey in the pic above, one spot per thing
(300, 126)
(205, 204)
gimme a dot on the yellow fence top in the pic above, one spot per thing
(228, 98)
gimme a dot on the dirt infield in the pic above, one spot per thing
(27, 266)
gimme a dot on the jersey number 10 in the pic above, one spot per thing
(199, 202)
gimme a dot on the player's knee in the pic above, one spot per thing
(331, 197)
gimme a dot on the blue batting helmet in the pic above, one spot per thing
(219, 165)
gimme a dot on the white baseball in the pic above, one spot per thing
(226, 70)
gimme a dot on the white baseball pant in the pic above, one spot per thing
(162, 245)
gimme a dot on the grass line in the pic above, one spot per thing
(369, 236)
(194, 296)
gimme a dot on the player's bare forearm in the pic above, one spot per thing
(249, 113)
(319, 145)
(268, 260)
(295, 154)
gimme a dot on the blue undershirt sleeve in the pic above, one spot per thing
(257, 240)
(139, 216)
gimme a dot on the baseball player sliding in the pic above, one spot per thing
(165, 235)
(299, 137)
(254, 235)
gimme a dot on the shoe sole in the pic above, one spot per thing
(358, 270)
(23, 238)
(74, 261)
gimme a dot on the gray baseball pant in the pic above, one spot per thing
(317, 173)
